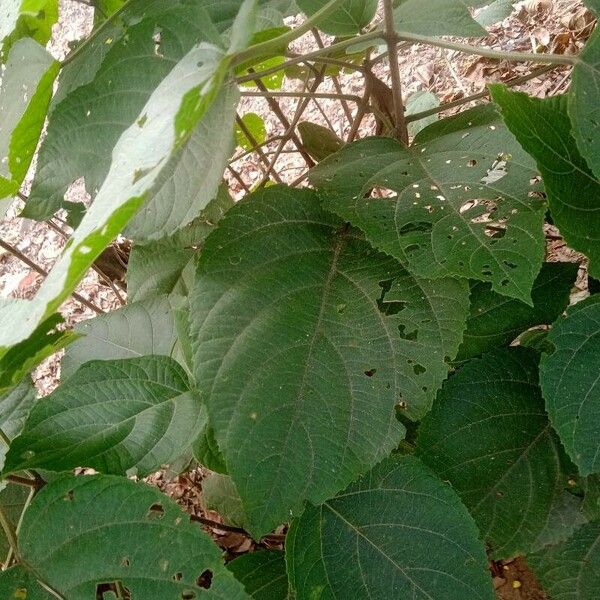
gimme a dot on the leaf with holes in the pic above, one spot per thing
(349, 19)
(26, 19)
(164, 124)
(24, 97)
(488, 435)
(122, 532)
(570, 383)
(571, 570)
(262, 574)
(496, 320)
(544, 130)
(304, 339)
(463, 203)
(134, 330)
(436, 17)
(115, 416)
(399, 532)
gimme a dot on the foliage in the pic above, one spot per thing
(383, 363)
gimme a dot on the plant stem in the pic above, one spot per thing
(340, 97)
(10, 533)
(553, 59)
(271, 46)
(392, 43)
(311, 55)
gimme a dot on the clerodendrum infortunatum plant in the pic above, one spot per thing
(376, 356)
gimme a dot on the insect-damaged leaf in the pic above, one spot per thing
(305, 338)
(460, 201)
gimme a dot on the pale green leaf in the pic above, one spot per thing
(137, 329)
(399, 532)
(26, 19)
(24, 97)
(263, 574)
(244, 26)
(488, 435)
(494, 12)
(140, 155)
(220, 495)
(100, 529)
(496, 320)
(114, 416)
(15, 405)
(305, 338)
(570, 383)
(436, 17)
(420, 102)
(461, 203)
(571, 570)
(348, 19)
(544, 130)
(254, 125)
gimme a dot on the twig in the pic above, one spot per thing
(238, 178)
(9, 532)
(392, 43)
(43, 272)
(255, 146)
(329, 96)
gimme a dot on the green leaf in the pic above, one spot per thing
(488, 435)
(26, 18)
(583, 98)
(19, 584)
(348, 19)
(15, 405)
(494, 12)
(319, 141)
(570, 383)
(436, 17)
(113, 99)
(304, 340)
(100, 530)
(461, 205)
(420, 102)
(255, 126)
(399, 532)
(207, 453)
(158, 267)
(571, 570)
(544, 130)
(219, 494)
(496, 320)
(137, 329)
(192, 178)
(262, 574)
(114, 416)
(140, 155)
(24, 97)
(13, 499)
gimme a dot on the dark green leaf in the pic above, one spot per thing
(318, 141)
(496, 320)
(570, 384)
(19, 584)
(305, 339)
(15, 405)
(436, 17)
(461, 206)
(399, 532)
(24, 97)
(219, 494)
(207, 453)
(100, 529)
(12, 502)
(544, 130)
(138, 329)
(114, 416)
(262, 574)
(571, 570)
(348, 19)
(488, 435)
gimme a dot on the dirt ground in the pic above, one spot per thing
(559, 26)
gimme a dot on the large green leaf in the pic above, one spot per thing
(570, 384)
(138, 329)
(262, 574)
(13, 499)
(571, 570)
(488, 435)
(544, 130)
(164, 124)
(348, 19)
(460, 206)
(304, 340)
(17, 583)
(583, 98)
(436, 17)
(24, 97)
(496, 320)
(399, 532)
(157, 267)
(114, 416)
(15, 405)
(98, 530)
